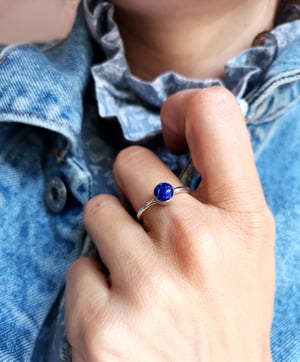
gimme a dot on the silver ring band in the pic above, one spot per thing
(163, 194)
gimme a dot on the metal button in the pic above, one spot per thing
(56, 195)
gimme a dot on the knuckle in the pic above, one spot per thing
(129, 155)
(90, 326)
(96, 205)
(212, 97)
(258, 229)
(211, 104)
(270, 224)
(263, 221)
(98, 338)
(90, 341)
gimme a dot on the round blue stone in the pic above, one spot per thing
(163, 192)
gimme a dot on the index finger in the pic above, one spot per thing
(211, 123)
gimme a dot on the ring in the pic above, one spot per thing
(163, 194)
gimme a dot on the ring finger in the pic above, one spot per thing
(137, 172)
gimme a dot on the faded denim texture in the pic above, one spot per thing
(48, 130)
(41, 90)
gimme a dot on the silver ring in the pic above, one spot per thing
(163, 194)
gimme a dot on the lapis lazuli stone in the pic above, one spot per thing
(163, 192)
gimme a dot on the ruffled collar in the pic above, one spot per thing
(135, 102)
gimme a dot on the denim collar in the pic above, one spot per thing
(42, 84)
(121, 94)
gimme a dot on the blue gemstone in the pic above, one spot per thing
(163, 192)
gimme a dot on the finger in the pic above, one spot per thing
(120, 240)
(173, 120)
(137, 171)
(86, 288)
(214, 129)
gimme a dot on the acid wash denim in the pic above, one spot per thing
(41, 87)
(58, 139)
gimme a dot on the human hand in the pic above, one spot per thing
(195, 280)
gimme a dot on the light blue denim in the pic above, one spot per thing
(50, 131)
(41, 87)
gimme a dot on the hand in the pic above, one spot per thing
(195, 280)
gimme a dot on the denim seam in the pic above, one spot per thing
(264, 141)
(272, 84)
(267, 89)
(12, 49)
(30, 114)
(50, 46)
(278, 113)
(41, 117)
(46, 47)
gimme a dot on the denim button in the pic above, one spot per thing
(56, 195)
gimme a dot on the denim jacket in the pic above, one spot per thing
(64, 114)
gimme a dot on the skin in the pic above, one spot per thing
(35, 20)
(193, 37)
(195, 280)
